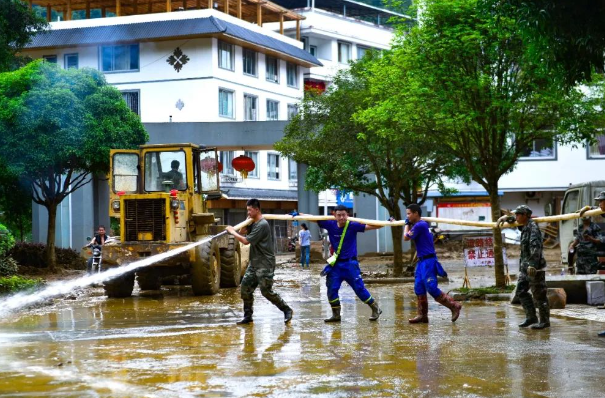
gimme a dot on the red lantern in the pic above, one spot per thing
(243, 164)
(211, 166)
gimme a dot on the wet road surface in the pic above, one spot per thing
(178, 345)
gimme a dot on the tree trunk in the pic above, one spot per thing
(494, 201)
(397, 233)
(51, 258)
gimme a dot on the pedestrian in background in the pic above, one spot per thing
(304, 238)
(261, 269)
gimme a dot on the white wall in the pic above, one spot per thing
(570, 167)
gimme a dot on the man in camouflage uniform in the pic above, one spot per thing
(585, 244)
(262, 263)
(532, 271)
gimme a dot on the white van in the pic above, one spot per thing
(576, 197)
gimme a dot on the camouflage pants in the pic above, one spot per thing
(262, 278)
(537, 298)
(587, 263)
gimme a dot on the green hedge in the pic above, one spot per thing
(17, 283)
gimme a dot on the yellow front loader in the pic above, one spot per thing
(158, 193)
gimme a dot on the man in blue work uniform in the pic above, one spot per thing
(346, 267)
(428, 268)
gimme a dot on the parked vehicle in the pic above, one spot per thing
(576, 197)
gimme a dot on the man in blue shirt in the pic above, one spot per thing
(346, 267)
(427, 268)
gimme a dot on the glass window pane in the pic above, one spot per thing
(121, 58)
(597, 150)
(254, 156)
(107, 58)
(272, 110)
(570, 203)
(250, 108)
(225, 100)
(272, 68)
(292, 74)
(125, 172)
(134, 57)
(293, 170)
(209, 168)
(273, 166)
(226, 159)
(165, 171)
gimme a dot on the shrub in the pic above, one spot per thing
(17, 283)
(8, 266)
(7, 241)
(32, 255)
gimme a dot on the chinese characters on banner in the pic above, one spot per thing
(479, 251)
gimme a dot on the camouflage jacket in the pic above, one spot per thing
(592, 230)
(531, 247)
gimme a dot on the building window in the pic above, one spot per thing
(292, 111)
(292, 170)
(292, 75)
(272, 69)
(344, 52)
(50, 58)
(71, 61)
(249, 62)
(272, 110)
(225, 103)
(250, 107)
(361, 52)
(226, 159)
(313, 50)
(305, 42)
(540, 149)
(273, 166)
(254, 156)
(225, 55)
(597, 150)
(133, 100)
(120, 58)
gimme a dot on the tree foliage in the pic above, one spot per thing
(572, 30)
(349, 146)
(56, 129)
(485, 94)
(17, 27)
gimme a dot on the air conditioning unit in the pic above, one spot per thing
(530, 195)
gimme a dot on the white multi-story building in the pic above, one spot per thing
(188, 68)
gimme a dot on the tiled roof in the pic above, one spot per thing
(263, 194)
(132, 32)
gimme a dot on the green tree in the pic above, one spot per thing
(368, 152)
(56, 129)
(484, 93)
(15, 204)
(17, 27)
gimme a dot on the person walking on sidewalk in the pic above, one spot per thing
(261, 269)
(532, 271)
(428, 268)
(304, 238)
(343, 238)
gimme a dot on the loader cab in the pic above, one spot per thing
(161, 188)
(576, 197)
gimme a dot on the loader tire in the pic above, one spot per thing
(149, 280)
(119, 287)
(206, 270)
(231, 264)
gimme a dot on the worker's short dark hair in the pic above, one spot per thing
(341, 208)
(175, 164)
(414, 208)
(253, 203)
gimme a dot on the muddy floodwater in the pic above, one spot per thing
(176, 345)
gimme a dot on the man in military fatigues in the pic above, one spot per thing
(532, 271)
(262, 264)
(585, 244)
